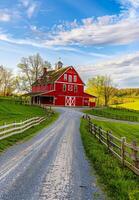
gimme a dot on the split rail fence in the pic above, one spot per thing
(127, 153)
(18, 127)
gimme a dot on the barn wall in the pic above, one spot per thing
(59, 88)
(42, 88)
(60, 100)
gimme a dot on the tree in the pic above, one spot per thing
(7, 85)
(108, 89)
(102, 87)
(94, 87)
(31, 68)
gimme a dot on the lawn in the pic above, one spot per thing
(119, 183)
(11, 111)
(130, 131)
(113, 113)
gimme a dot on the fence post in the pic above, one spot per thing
(4, 125)
(108, 140)
(135, 154)
(99, 133)
(123, 140)
(90, 125)
(95, 130)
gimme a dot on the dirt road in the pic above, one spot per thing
(50, 166)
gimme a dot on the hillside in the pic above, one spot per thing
(11, 111)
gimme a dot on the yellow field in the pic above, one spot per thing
(131, 105)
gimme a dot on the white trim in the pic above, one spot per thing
(62, 74)
(69, 83)
(70, 95)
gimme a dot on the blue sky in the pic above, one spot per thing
(96, 36)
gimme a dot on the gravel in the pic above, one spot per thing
(50, 166)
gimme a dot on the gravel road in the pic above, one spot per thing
(50, 166)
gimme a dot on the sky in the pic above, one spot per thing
(97, 37)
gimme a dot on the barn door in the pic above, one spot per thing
(69, 101)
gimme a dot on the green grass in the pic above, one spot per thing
(119, 183)
(130, 131)
(11, 111)
(120, 114)
(21, 137)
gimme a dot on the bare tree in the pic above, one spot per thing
(31, 68)
(7, 85)
(108, 89)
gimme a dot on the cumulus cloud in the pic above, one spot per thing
(105, 30)
(124, 70)
(98, 33)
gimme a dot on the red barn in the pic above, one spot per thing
(61, 87)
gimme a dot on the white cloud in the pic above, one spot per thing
(31, 9)
(130, 3)
(105, 30)
(4, 16)
(25, 2)
(124, 70)
(100, 32)
(30, 6)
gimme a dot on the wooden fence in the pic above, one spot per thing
(117, 116)
(11, 129)
(127, 153)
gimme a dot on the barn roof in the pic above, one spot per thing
(51, 76)
(88, 95)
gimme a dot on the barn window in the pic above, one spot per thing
(65, 77)
(64, 87)
(70, 78)
(70, 87)
(75, 78)
(75, 88)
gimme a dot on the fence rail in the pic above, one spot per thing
(116, 115)
(127, 153)
(15, 128)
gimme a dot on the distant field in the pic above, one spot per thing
(11, 111)
(130, 131)
(132, 105)
(113, 113)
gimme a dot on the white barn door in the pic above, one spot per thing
(69, 101)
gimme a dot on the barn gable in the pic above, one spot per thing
(70, 72)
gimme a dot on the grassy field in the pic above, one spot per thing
(120, 114)
(130, 131)
(131, 105)
(118, 182)
(11, 111)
